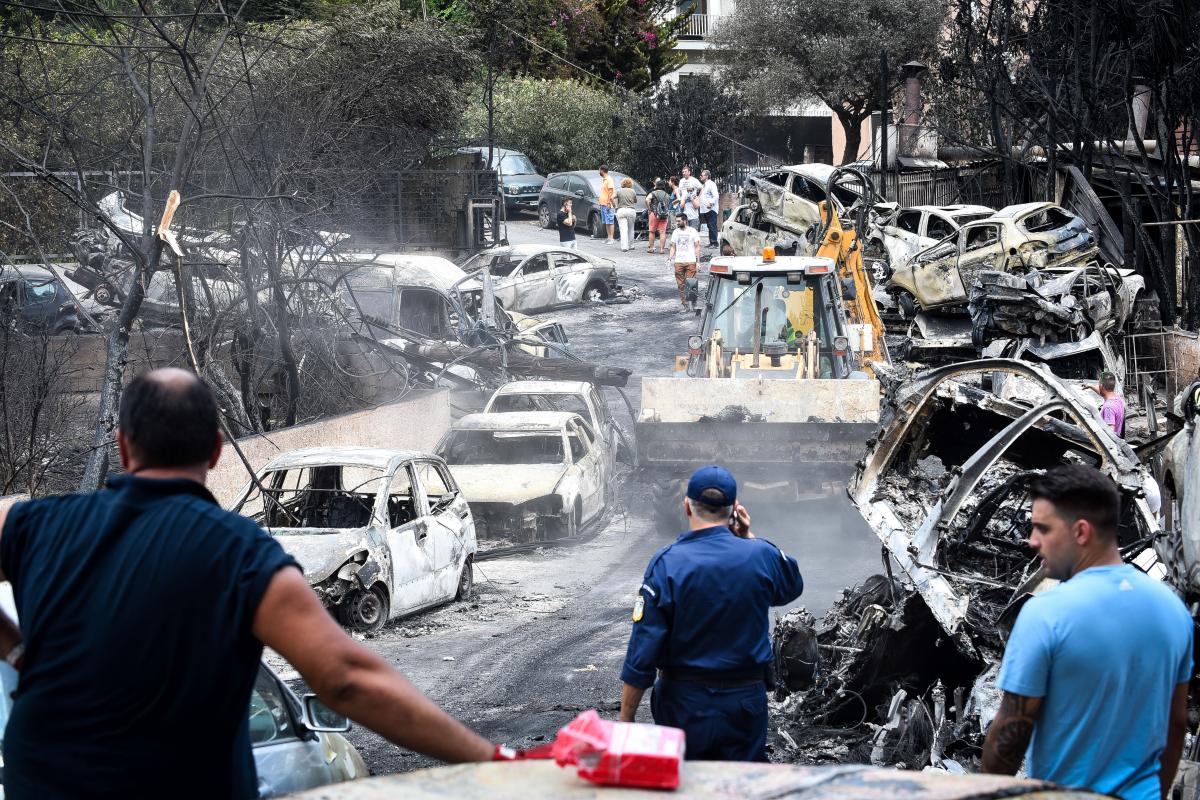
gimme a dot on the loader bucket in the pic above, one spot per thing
(813, 429)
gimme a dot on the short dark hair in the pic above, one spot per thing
(1108, 381)
(1079, 492)
(604, 167)
(169, 423)
(712, 506)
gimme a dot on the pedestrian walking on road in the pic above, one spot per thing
(691, 197)
(701, 625)
(677, 198)
(626, 202)
(710, 201)
(144, 609)
(1112, 410)
(1096, 670)
(566, 226)
(685, 255)
(608, 214)
(658, 203)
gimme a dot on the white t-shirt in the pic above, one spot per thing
(691, 190)
(685, 239)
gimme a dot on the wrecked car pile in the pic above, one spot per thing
(902, 669)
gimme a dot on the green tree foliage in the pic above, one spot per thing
(781, 52)
(686, 124)
(559, 124)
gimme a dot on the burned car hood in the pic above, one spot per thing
(507, 483)
(321, 551)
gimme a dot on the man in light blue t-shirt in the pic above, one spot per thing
(1095, 673)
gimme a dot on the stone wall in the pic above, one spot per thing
(416, 423)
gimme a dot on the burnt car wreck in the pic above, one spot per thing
(902, 669)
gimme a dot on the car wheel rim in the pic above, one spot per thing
(594, 296)
(367, 609)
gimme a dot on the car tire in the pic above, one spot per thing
(595, 225)
(595, 292)
(907, 304)
(365, 611)
(726, 248)
(544, 216)
(466, 580)
(103, 294)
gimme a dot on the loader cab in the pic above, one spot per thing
(779, 317)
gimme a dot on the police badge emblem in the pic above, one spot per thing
(638, 608)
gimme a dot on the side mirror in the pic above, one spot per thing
(320, 718)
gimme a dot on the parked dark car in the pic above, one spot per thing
(519, 178)
(34, 300)
(583, 187)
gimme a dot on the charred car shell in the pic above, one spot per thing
(533, 277)
(944, 487)
(1031, 236)
(529, 476)
(378, 533)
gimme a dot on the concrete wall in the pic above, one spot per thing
(415, 423)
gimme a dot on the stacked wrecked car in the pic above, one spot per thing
(902, 669)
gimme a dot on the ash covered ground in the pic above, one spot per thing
(545, 635)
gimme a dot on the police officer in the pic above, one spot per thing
(701, 621)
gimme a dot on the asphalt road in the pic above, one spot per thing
(545, 636)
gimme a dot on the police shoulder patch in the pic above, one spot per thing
(638, 607)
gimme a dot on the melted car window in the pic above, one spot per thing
(465, 448)
(536, 264)
(982, 236)
(329, 496)
(939, 227)
(41, 291)
(1047, 219)
(911, 221)
(401, 507)
(540, 402)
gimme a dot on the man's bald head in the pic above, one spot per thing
(169, 419)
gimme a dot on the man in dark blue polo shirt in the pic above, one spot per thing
(701, 623)
(144, 608)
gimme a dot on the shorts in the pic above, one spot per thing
(658, 223)
(607, 215)
(569, 244)
(694, 222)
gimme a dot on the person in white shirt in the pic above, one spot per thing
(690, 187)
(685, 255)
(710, 200)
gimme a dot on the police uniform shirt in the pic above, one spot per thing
(704, 605)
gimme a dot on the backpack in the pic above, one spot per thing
(659, 204)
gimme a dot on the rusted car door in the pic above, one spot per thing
(590, 466)
(980, 248)
(935, 275)
(532, 284)
(569, 272)
(800, 203)
(407, 537)
(447, 514)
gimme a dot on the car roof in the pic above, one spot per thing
(435, 271)
(1024, 208)
(955, 209)
(781, 264)
(544, 387)
(376, 457)
(516, 421)
(818, 172)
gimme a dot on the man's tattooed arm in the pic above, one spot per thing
(1008, 737)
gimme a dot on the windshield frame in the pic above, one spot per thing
(445, 446)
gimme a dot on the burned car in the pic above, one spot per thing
(531, 277)
(1032, 236)
(898, 236)
(789, 197)
(576, 397)
(529, 476)
(944, 487)
(379, 533)
(745, 233)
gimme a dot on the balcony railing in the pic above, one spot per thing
(699, 26)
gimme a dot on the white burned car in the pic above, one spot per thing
(905, 232)
(529, 277)
(379, 533)
(577, 397)
(529, 476)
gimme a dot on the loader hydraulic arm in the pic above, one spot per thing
(842, 246)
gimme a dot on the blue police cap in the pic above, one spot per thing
(712, 477)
